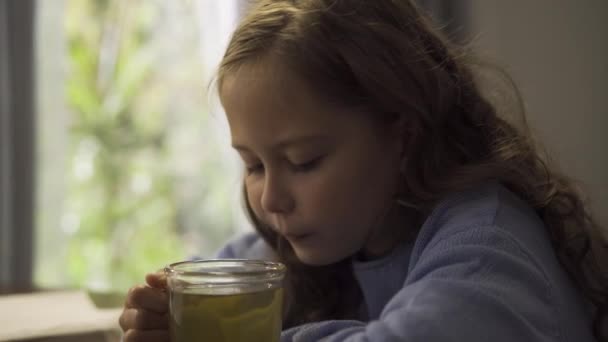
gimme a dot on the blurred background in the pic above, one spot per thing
(115, 155)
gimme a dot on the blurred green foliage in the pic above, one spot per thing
(125, 213)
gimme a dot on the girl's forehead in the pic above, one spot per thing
(268, 81)
(267, 102)
(271, 89)
(266, 106)
(262, 114)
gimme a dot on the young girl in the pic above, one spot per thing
(404, 207)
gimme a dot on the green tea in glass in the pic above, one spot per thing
(225, 300)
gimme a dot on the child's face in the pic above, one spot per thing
(320, 176)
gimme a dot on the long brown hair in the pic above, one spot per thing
(385, 56)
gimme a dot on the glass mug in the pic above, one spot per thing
(225, 300)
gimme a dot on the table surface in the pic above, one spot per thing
(50, 314)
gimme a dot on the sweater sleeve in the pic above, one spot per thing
(476, 284)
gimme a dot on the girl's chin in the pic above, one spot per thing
(318, 257)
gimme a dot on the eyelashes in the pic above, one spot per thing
(311, 165)
(308, 166)
(255, 169)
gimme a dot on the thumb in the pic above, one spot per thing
(157, 280)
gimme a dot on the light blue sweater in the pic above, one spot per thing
(481, 269)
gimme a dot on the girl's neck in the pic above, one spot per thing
(398, 225)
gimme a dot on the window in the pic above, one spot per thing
(134, 165)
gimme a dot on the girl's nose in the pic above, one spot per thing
(276, 197)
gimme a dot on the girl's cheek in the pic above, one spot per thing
(254, 195)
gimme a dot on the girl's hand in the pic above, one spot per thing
(146, 313)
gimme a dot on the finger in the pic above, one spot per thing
(122, 320)
(144, 297)
(143, 320)
(146, 336)
(157, 280)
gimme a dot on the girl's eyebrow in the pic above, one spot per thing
(304, 139)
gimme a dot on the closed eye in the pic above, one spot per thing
(309, 165)
(255, 169)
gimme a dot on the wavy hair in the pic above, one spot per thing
(386, 57)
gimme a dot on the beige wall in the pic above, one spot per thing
(557, 51)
